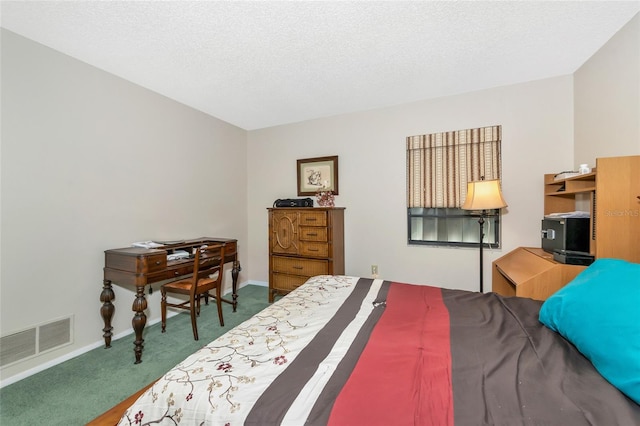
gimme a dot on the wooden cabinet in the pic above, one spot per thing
(617, 208)
(612, 192)
(530, 272)
(304, 242)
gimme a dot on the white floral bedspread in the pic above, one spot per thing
(220, 383)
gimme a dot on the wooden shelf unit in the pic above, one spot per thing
(612, 190)
(561, 195)
(569, 186)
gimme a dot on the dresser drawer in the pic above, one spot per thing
(123, 260)
(284, 282)
(304, 267)
(156, 262)
(313, 234)
(313, 218)
(171, 273)
(174, 273)
(230, 248)
(314, 249)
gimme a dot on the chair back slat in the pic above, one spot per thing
(208, 266)
(208, 261)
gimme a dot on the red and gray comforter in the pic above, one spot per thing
(353, 351)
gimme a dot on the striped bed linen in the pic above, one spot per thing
(225, 382)
(344, 350)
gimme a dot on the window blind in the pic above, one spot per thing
(439, 165)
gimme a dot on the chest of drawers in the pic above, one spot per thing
(304, 242)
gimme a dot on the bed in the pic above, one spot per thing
(345, 350)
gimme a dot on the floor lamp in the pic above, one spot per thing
(483, 195)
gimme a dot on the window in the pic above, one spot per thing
(439, 166)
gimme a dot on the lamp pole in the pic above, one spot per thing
(483, 195)
(481, 222)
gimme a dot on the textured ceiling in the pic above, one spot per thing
(260, 64)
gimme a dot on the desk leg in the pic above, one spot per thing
(106, 311)
(234, 274)
(139, 321)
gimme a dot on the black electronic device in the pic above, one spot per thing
(565, 234)
(293, 202)
(573, 257)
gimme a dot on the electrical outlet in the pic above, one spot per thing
(374, 271)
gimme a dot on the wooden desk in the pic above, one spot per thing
(530, 272)
(140, 266)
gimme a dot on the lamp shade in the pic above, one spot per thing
(484, 195)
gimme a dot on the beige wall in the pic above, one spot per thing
(538, 137)
(607, 99)
(92, 162)
(537, 123)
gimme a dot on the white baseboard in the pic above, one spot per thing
(30, 372)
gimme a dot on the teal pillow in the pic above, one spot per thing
(599, 312)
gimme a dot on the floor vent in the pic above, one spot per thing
(34, 341)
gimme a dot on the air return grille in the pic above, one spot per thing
(34, 341)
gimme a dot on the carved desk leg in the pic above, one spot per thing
(106, 311)
(139, 321)
(234, 274)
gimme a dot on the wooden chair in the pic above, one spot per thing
(207, 276)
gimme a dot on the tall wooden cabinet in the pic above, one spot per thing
(612, 192)
(304, 242)
(617, 208)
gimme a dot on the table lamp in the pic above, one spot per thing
(483, 195)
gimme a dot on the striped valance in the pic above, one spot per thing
(439, 165)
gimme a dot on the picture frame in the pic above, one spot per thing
(315, 174)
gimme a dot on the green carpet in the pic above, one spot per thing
(80, 389)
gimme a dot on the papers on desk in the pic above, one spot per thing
(146, 244)
(565, 175)
(178, 254)
(569, 214)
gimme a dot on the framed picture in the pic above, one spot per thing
(316, 174)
